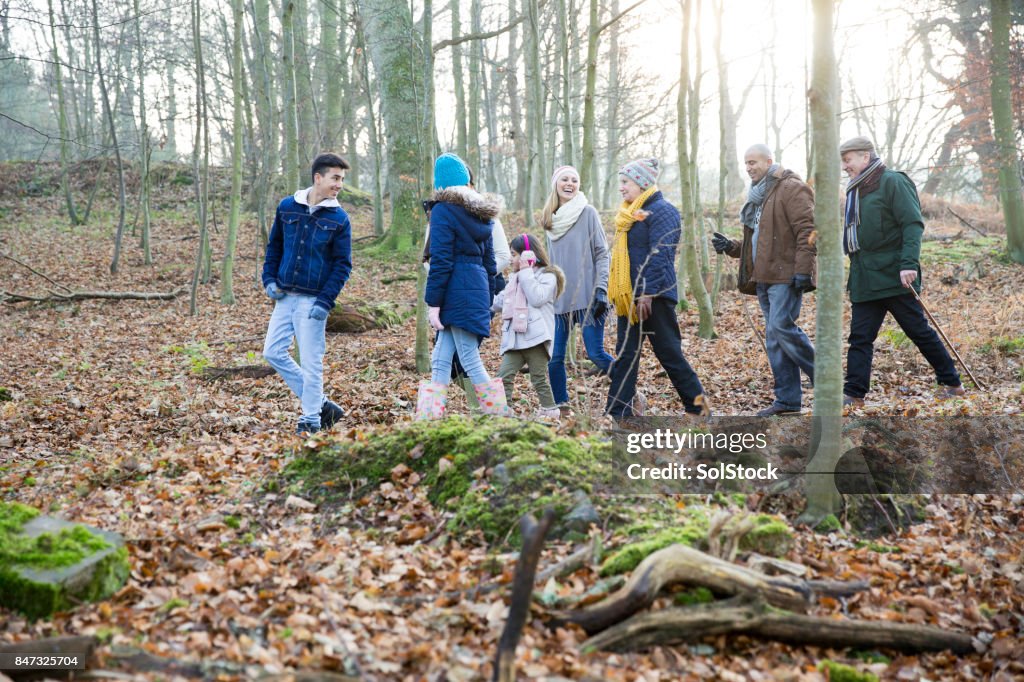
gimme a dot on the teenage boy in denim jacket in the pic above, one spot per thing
(308, 261)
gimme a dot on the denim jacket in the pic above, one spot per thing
(309, 253)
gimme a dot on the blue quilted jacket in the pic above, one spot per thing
(462, 266)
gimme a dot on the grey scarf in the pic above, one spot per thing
(750, 214)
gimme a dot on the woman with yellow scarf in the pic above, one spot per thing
(642, 288)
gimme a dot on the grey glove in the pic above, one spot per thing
(721, 242)
(274, 291)
(318, 313)
(802, 283)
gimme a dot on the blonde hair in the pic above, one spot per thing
(550, 206)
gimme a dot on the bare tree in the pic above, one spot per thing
(822, 496)
(109, 112)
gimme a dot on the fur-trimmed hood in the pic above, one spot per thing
(477, 205)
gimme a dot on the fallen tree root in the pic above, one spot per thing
(688, 624)
(682, 564)
(9, 297)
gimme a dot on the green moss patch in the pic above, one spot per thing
(48, 565)
(840, 672)
(493, 470)
(770, 536)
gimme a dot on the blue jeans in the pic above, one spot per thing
(789, 349)
(291, 318)
(449, 341)
(593, 341)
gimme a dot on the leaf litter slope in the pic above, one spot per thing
(112, 424)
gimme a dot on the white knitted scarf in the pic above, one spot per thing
(566, 216)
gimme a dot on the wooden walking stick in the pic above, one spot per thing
(753, 327)
(943, 335)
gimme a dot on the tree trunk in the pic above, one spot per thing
(822, 496)
(612, 116)
(687, 124)
(397, 51)
(200, 157)
(1009, 194)
(144, 141)
(348, 103)
(732, 182)
(534, 109)
(332, 62)
(476, 60)
(113, 138)
(375, 141)
(568, 134)
(292, 173)
(227, 294)
(304, 101)
(588, 182)
(458, 81)
(515, 130)
(62, 122)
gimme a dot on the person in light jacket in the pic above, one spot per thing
(528, 319)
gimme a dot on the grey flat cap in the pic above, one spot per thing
(857, 144)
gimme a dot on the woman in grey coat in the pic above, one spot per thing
(577, 244)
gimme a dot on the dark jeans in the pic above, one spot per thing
(789, 349)
(593, 341)
(867, 320)
(663, 330)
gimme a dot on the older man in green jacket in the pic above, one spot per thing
(882, 235)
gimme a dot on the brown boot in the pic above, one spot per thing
(950, 392)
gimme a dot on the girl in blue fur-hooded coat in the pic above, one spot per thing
(460, 288)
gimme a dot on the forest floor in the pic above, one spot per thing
(111, 423)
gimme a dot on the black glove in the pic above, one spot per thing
(721, 242)
(599, 305)
(802, 283)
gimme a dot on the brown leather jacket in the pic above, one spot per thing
(785, 246)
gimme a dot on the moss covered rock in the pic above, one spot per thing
(490, 471)
(47, 564)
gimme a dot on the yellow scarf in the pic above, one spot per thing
(620, 288)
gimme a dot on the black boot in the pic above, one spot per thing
(330, 414)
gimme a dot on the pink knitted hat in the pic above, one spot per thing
(562, 170)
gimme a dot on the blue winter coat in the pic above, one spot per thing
(462, 266)
(652, 250)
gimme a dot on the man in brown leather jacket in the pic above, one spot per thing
(777, 258)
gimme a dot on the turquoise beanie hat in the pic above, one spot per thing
(450, 171)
